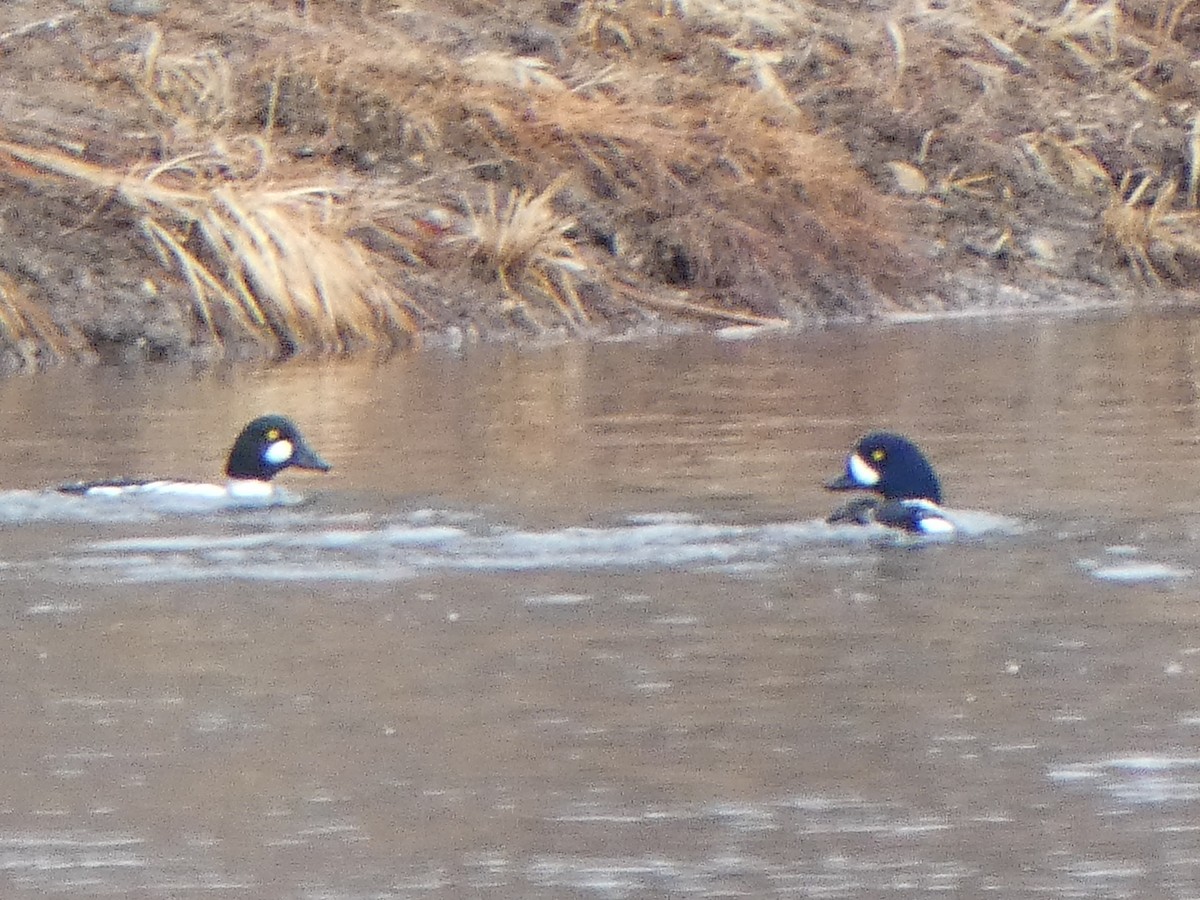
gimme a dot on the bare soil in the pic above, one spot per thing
(207, 180)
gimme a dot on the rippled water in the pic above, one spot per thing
(567, 622)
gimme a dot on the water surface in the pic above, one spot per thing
(565, 622)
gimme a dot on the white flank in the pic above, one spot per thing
(862, 472)
(937, 526)
(249, 488)
(110, 490)
(935, 521)
(157, 488)
(189, 489)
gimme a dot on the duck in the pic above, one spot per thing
(263, 449)
(895, 468)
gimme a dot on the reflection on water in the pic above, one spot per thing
(568, 623)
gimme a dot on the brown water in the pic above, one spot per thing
(566, 623)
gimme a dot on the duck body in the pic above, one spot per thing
(893, 467)
(234, 489)
(915, 516)
(263, 449)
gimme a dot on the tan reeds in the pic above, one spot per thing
(1153, 239)
(520, 72)
(526, 245)
(1089, 32)
(1169, 15)
(196, 88)
(35, 341)
(272, 263)
(607, 23)
(1069, 161)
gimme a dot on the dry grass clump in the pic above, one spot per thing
(1155, 239)
(196, 88)
(29, 339)
(527, 247)
(1067, 162)
(264, 261)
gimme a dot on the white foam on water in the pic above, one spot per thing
(1146, 779)
(299, 549)
(1122, 567)
(978, 523)
(557, 599)
(143, 503)
(1137, 573)
(26, 507)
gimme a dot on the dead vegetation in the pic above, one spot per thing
(31, 340)
(526, 246)
(263, 260)
(322, 176)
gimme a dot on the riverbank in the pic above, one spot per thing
(199, 181)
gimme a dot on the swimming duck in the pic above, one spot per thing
(263, 449)
(894, 467)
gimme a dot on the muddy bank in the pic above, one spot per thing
(200, 181)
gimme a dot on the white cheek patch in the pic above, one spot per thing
(278, 453)
(862, 472)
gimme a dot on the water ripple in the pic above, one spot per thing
(398, 550)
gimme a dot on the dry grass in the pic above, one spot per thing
(527, 247)
(1044, 105)
(1154, 238)
(262, 260)
(663, 160)
(193, 90)
(1067, 162)
(593, 166)
(31, 340)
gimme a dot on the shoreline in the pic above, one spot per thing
(351, 178)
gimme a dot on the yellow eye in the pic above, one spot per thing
(877, 454)
(273, 434)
